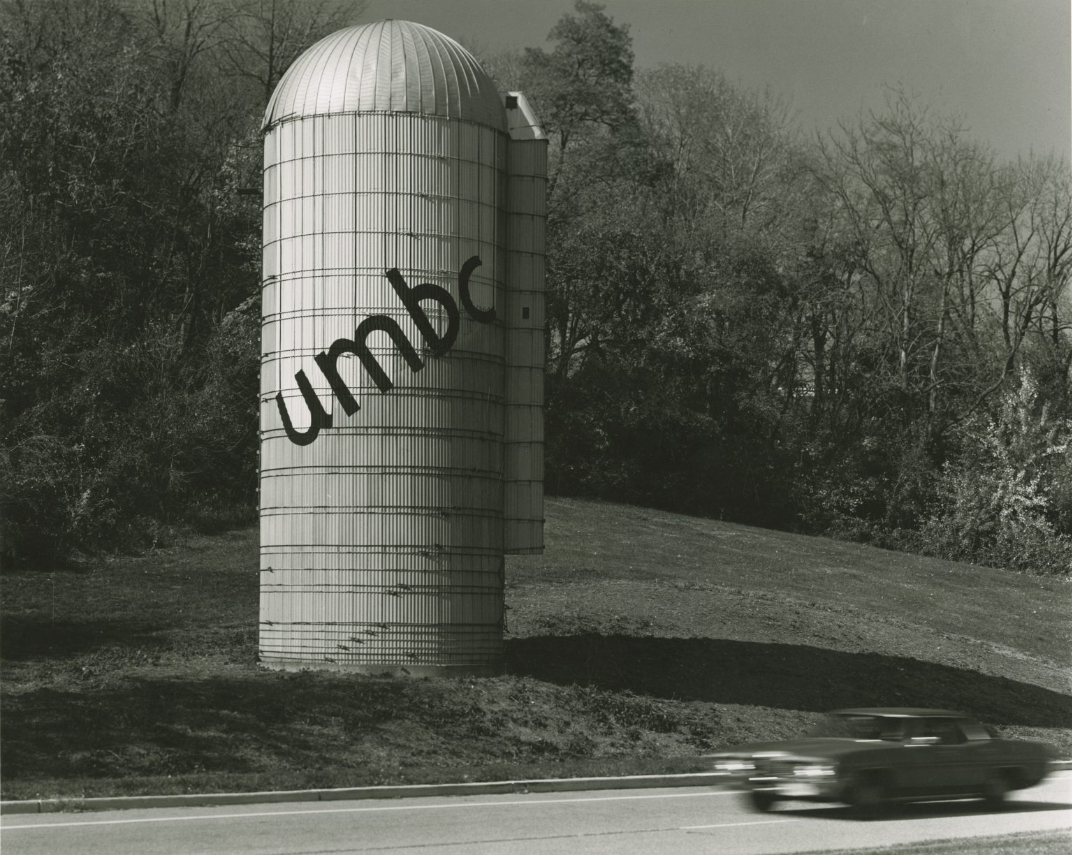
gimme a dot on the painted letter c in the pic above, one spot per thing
(485, 316)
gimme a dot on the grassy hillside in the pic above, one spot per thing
(640, 640)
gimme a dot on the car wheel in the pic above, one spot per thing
(997, 787)
(867, 796)
(762, 800)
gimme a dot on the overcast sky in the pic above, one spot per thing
(1002, 66)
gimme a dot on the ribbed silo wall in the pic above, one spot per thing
(526, 216)
(382, 539)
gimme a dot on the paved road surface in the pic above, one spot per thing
(676, 821)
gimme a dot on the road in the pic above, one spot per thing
(677, 821)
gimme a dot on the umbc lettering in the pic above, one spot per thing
(412, 297)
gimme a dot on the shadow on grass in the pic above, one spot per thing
(281, 730)
(162, 727)
(32, 638)
(781, 676)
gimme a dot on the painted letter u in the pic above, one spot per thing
(320, 418)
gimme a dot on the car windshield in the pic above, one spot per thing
(861, 727)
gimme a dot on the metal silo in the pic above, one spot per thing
(384, 379)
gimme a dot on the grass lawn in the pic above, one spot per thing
(1034, 843)
(637, 642)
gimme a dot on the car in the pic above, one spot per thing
(869, 758)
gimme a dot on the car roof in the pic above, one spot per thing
(900, 712)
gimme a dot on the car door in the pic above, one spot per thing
(980, 754)
(941, 758)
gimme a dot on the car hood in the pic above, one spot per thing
(807, 747)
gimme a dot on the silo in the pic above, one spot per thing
(384, 358)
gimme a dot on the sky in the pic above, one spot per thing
(1002, 67)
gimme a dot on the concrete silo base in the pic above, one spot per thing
(483, 670)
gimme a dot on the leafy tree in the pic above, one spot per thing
(130, 266)
(583, 83)
(868, 336)
(1001, 498)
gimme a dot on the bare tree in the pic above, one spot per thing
(186, 31)
(1030, 266)
(263, 37)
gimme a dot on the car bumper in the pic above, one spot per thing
(795, 788)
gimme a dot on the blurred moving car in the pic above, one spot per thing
(868, 758)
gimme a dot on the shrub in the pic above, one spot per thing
(999, 501)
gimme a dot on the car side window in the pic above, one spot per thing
(947, 732)
(975, 732)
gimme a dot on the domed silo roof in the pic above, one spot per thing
(388, 66)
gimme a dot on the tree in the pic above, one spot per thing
(938, 253)
(1030, 269)
(731, 154)
(129, 266)
(1000, 502)
(188, 34)
(927, 215)
(263, 37)
(581, 90)
(680, 289)
(583, 83)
